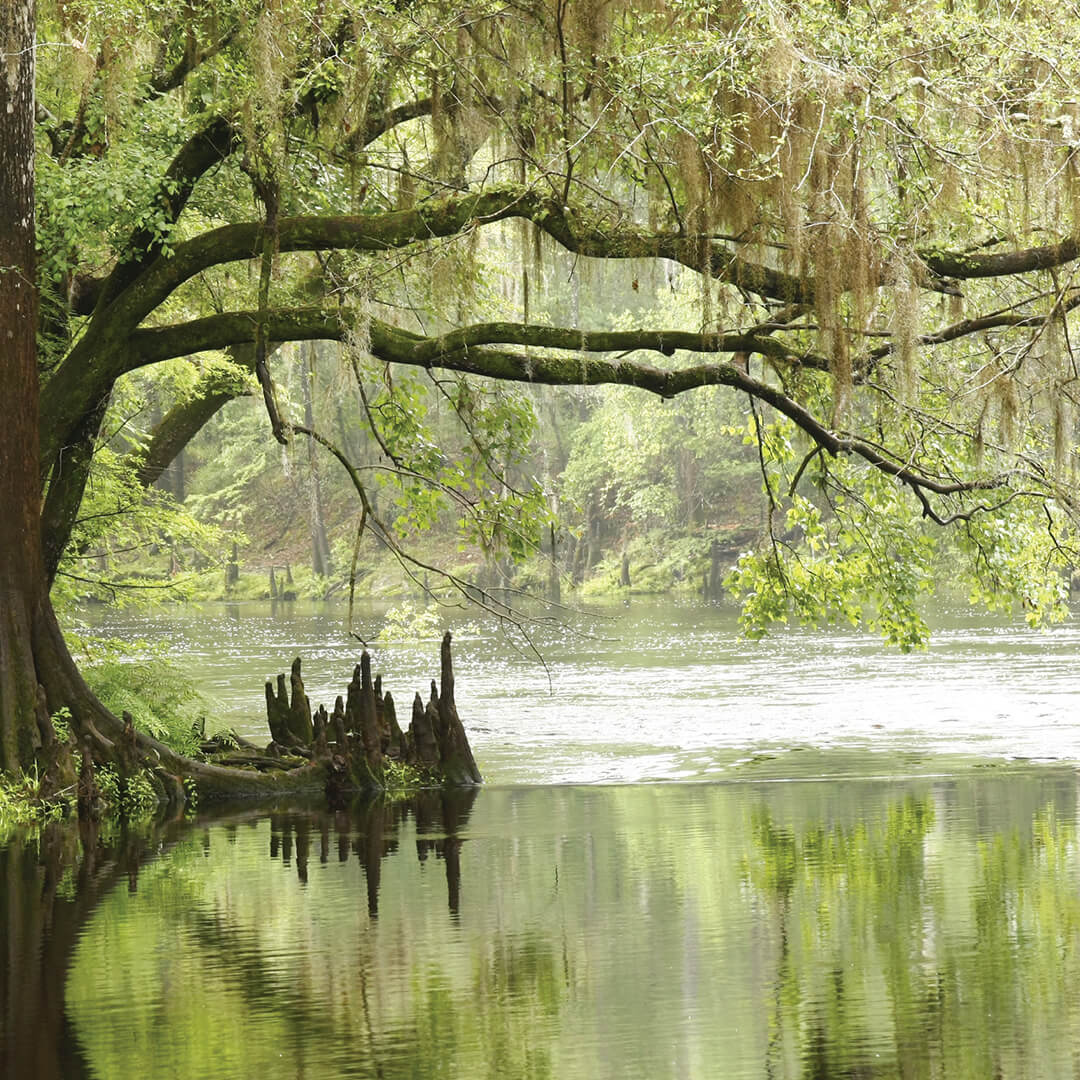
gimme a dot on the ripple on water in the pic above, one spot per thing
(659, 675)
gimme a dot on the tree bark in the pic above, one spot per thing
(178, 427)
(36, 670)
(22, 577)
(66, 489)
(554, 583)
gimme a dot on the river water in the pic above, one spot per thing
(659, 691)
(844, 863)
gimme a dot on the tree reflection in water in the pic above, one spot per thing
(369, 832)
(921, 928)
(55, 878)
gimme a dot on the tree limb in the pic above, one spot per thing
(393, 345)
(178, 427)
(383, 122)
(165, 81)
(208, 147)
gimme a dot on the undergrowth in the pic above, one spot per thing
(157, 693)
(20, 805)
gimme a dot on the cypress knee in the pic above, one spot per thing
(337, 724)
(320, 723)
(353, 708)
(369, 731)
(277, 711)
(455, 754)
(380, 717)
(424, 745)
(434, 718)
(366, 721)
(299, 710)
(395, 743)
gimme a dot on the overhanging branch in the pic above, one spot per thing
(570, 227)
(451, 352)
(153, 344)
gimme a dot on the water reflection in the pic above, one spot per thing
(369, 833)
(52, 881)
(920, 928)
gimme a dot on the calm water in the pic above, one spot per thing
(849, 890)
(920, 928)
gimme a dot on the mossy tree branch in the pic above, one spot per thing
(463, 352)
(96, 359)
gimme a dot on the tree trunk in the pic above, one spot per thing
(37, 672)
(67, 486)
(177, 482)
(716, 577)
(554, 583)
(232, 568)
(36, 669)
(22, 576)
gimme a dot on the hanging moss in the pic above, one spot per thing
(905, 327)
(1062, 433)
(1008, 398)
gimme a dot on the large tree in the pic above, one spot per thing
(22, 578)
(880, 206)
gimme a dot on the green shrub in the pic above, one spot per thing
(132, 797)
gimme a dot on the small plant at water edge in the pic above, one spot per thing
(399, 776)
(130, 797)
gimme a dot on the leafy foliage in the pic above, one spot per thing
(158, 695)
(408, 623)
(129, 797)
